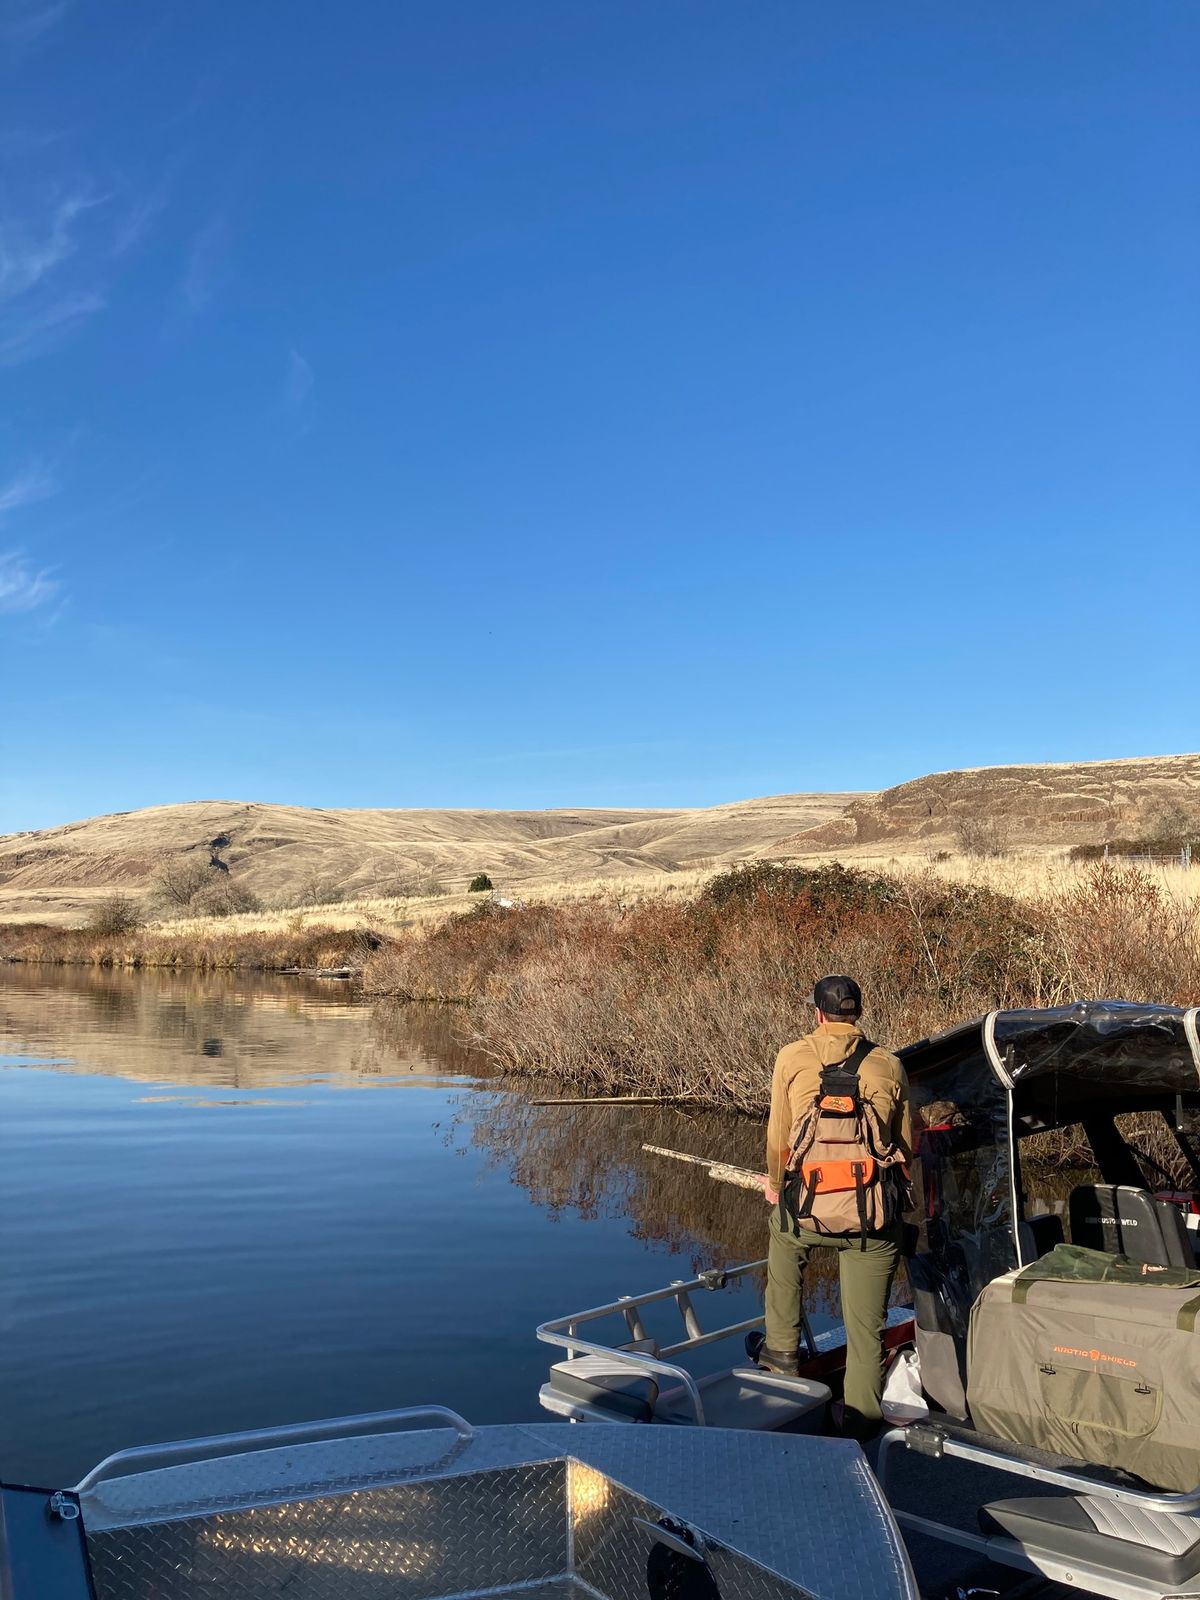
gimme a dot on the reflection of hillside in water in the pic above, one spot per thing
(219, 1030)
(590, 1159)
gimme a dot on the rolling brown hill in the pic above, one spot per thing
(288, 854)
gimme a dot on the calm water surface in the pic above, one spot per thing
(227, 1202)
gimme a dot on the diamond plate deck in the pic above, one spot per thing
(807, 1508)
(449, 1536)
(611, 1551)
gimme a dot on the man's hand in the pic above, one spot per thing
(772, 1195)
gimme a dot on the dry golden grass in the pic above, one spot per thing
(1032, 875)
(1028, 876)
(387, 915)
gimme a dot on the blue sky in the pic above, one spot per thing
(640, 402)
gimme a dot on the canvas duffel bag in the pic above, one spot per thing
(1105, 1372)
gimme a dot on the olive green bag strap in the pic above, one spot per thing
(1185, 1320)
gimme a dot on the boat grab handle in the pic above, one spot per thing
(149, 1457)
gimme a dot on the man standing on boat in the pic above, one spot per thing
(838, 1140)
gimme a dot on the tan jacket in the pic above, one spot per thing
(797, 1078)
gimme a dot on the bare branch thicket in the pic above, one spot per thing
(693, 998)
(986, 837)
(179, 880)
(117, 914)
(409, 884)
(226, 898)
(315, 890)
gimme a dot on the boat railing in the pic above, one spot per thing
(372, 1424)
(564, 1331)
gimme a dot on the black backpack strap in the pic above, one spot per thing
(860, 1194)
(858, 1055)
(807, 1197)
(841, 1077)
(796, 1196)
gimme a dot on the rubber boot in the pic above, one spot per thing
(785, 1362)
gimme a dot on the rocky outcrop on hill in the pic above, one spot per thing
(1032, 807)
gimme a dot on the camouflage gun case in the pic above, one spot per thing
(1105, 1370)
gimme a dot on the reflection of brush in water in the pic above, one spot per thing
(619, 1100)
(556, 1156)
(720, 1170)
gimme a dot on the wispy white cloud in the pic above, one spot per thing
(26, 141)
(24, 587)
(48, 282)
(31, 248)
(207, 265)
(55, 264)
(34, 333)
(24, 24)
(134, 221)
(299, 384)
(31, 484)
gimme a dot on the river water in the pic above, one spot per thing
(228, 1202)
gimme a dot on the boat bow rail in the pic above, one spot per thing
(151, 1457)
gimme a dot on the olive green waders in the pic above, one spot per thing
(866, 1277)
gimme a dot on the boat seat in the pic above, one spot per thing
(752, 1399)
(1154, 1546)
(1122, 1220)
(1040, 1234)
(602, 1381)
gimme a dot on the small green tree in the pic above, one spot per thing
(480, 883)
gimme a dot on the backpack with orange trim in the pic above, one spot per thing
(845, 1175)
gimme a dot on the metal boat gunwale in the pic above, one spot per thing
(177, 1452)
(826, 1350)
